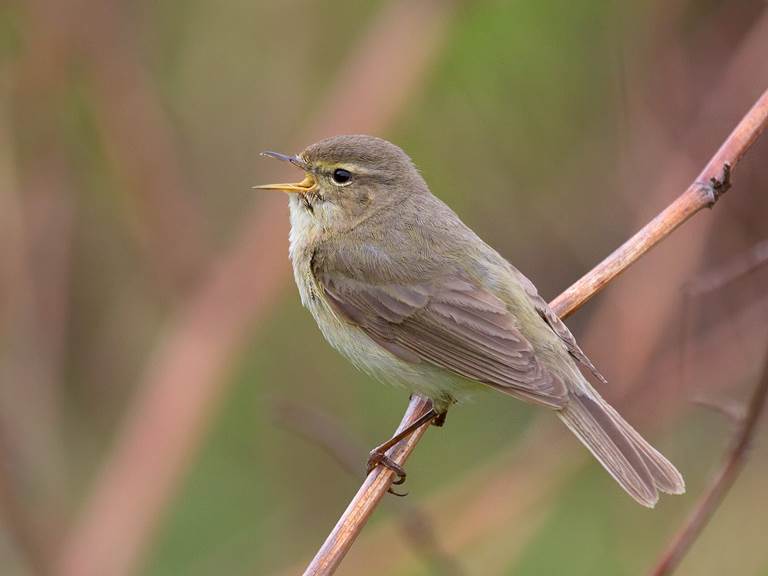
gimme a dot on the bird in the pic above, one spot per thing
(410, 295)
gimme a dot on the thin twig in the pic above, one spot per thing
(705, 190)
(732, 465)
(714, 280)
(656, 142)
(750, 261)
(734, 412)
(322, 431)
(416, 525)
(368, 496)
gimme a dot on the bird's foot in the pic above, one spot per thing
(378, 458)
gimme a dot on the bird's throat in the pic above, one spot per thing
(305, 226)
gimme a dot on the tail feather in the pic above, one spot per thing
(665, 475)
(634, 464)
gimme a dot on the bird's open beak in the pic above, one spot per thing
(307, 185)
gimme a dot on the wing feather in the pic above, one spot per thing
(558, 327)
(451, 323)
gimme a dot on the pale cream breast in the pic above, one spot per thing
(354, 344)
(305, 234)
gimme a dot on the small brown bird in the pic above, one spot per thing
(409, 294)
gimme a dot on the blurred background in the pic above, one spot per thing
(167, 406)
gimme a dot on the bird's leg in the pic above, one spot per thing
(446, 403)
(378, 456)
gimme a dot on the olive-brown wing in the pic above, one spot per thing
(450, 323)
(557, 325)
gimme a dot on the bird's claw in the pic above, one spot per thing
(381, 459)
(439, 420)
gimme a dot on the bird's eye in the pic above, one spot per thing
(341, 176)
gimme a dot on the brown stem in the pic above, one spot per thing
(733, 462)
(416, 526)
(703, 192)
(368, 496)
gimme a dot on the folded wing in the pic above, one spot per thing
(451, 323)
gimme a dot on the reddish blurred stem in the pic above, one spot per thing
(18, 523)
(752, 260)
(721, 484)
(37, 235)
(139, 140)
(703, 192)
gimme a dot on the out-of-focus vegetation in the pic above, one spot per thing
(129, 139)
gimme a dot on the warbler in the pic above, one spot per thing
(409, 294)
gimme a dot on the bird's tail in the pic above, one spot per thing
(638, 467)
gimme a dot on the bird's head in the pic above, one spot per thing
(347, 178)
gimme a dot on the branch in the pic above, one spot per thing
(416, 527)
(732, 465)
(703, 192)
(533, 472)
(657, 161)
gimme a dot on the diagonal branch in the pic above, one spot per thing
(415, 524)
(721, 484)
(703, 192)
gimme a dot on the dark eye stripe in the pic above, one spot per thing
(341, 176)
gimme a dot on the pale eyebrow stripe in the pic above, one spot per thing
(355, 169)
